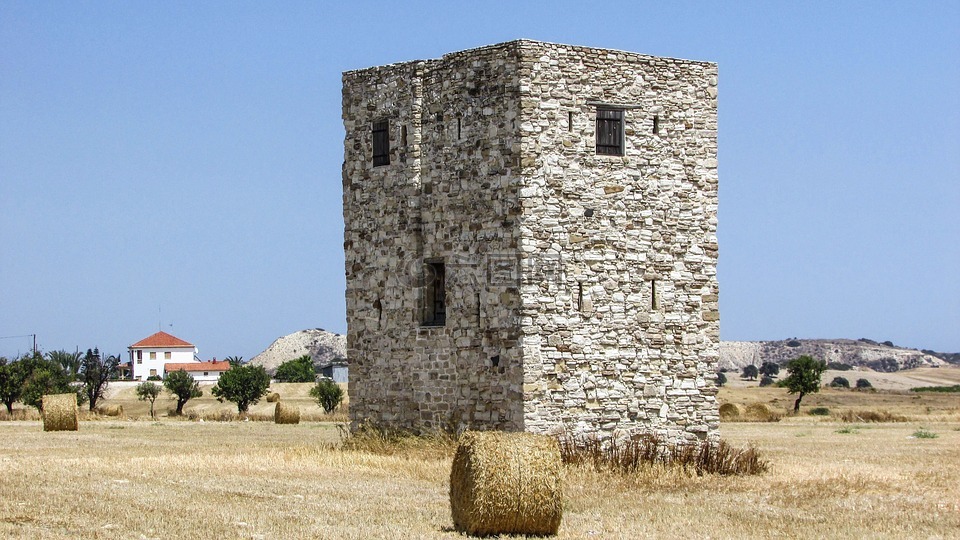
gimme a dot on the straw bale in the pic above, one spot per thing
(506, 483)
(286, 414)
(273, 397)
(729, 410)
(111, 410)
(60, 412)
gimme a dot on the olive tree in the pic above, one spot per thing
(243, 385)
(148, 391)
(183, 386)
(803, 377)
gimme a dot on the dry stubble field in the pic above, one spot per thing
(181, 479)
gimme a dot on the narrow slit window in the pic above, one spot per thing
(403, 135)
(654, 303)
(381, 143)
(610, 132)
(656, 125)
(434, 297)
(580, 297)
(570, 121)
(459, 129)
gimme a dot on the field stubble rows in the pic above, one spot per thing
(178, 479)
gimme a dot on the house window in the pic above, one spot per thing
(139, 360)
(153, 355)
(166, 355)
(139, 355)
(205, 373)
(153, 373)
(610, 132)
(381, 143)
(434, 297)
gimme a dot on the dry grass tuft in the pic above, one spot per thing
(629, 456)
(506, 483)
(60, 412)
(382, 441)
(286, 414)
(871, 416)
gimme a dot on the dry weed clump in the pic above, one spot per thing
(60, 412)
(385, 441)
(506, 483)
(628, 456)
(871, 416)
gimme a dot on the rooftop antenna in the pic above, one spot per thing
(159, 318)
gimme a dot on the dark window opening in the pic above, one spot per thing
(403, 135)
(381, 143)
(434, 297)
(459, 129)
(610, 132)
(656, 125)
(570, 121)
(654, 302)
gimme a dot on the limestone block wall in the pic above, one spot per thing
(581, 288)
(450, 193)
(625, 337)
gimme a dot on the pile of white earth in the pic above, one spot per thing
(322, 346)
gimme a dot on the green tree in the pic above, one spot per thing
(863, 384)
(803, 377)
(766, 381)
(44, 379)
(297, 370)
(770, 369)
(12, 377)
(95, 373)
(148, 391)
(183, 386)
(243, 385)
(750, 372)
(328, 394)
(69, 361)
(721, 378)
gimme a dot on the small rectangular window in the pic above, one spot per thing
(153, 373)
(153, 355)
(139, 355)
(434, 297)
(610, 132)
(166, 355)
(139, 360)
(381, 143)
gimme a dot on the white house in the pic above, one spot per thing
(148, 356)
(208, 371)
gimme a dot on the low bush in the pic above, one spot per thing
(839, 366)
(328, 395)
(863, 384)
(766, 381)
(840, 382)
(819, 411)
(627, 456)
(871, 416)
(943, 389)
(924, 434)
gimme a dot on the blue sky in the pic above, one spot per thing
(177, 165)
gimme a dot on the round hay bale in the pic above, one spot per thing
(286, 414)
(729, 411)
(506, 483)
(273, 397)
(759, 411)
(110, 410)
(60, 412)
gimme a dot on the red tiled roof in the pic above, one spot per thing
(161, 339)
(212, 365)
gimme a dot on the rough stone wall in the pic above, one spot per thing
(551, 250)
(604, 353)
(450, 193)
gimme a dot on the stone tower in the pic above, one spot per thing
(530, 238)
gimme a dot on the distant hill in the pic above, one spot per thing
(884, 357)
(324, 347)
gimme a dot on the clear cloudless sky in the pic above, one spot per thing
(176, 165)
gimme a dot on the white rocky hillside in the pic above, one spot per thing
(884, 357)
(324, 347)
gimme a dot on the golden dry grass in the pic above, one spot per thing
(175, 479)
